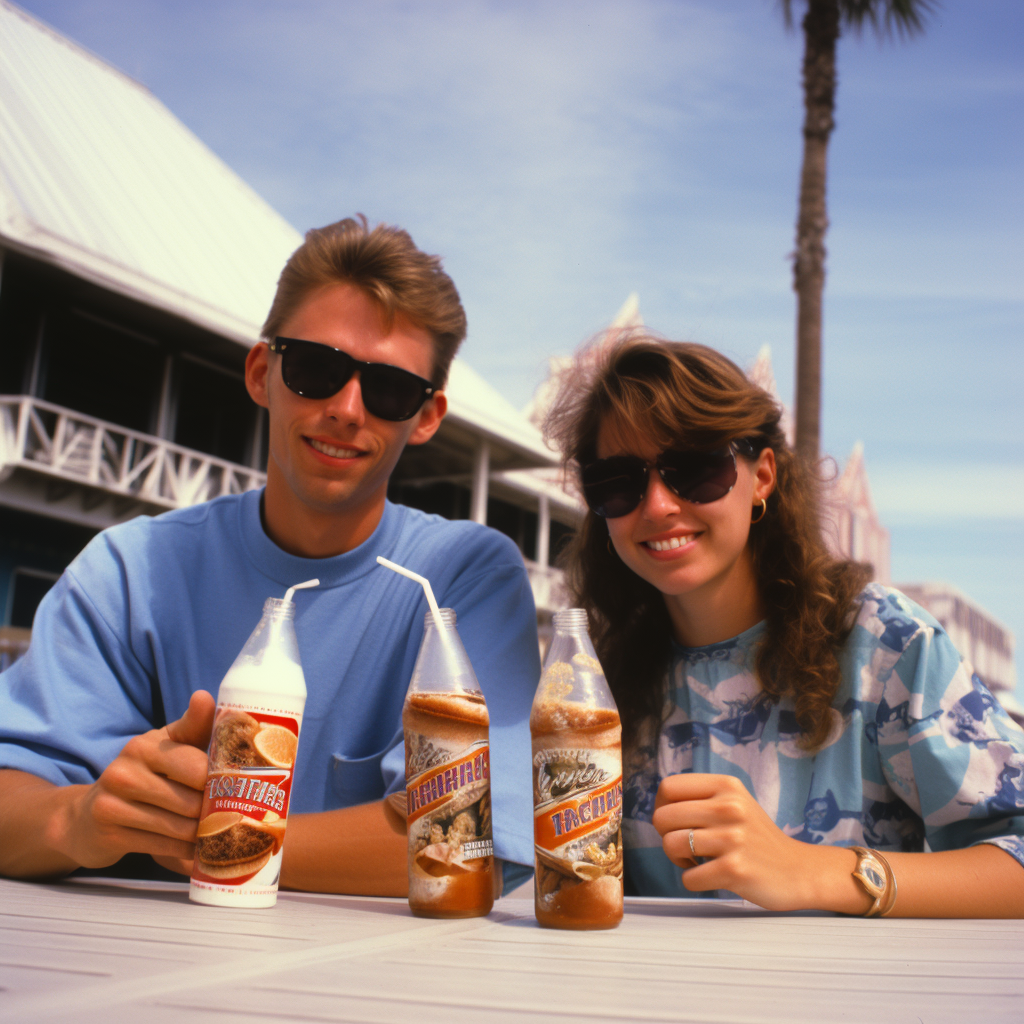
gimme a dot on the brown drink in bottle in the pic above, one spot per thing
(577, 785)
(447, 774)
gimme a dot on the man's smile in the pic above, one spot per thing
(334, 451)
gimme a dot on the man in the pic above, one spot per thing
(104, 723)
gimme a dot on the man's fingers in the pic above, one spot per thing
(194, 727)
(112, 813)
(182, 865)
(179, 763)
(156, 845)
(155, 786)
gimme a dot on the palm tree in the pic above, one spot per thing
(822, 25)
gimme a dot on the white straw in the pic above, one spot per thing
(288, 594)
(423, 582)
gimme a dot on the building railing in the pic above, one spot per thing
(71, 446)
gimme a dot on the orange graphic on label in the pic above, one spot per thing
(560, 823)
(433, 787)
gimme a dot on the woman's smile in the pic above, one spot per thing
(672, 545)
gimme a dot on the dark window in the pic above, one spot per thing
(33, 546)
(100, 370)
(29, 587)
(440, 499)
(518, 523)
(20, 312)
(215, 413)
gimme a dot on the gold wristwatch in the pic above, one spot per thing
(876, 879)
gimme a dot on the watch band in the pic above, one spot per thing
(876, 879)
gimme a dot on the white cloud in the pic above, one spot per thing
(947, 491)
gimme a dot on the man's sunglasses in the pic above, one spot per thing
(614, 487)
(319, 371)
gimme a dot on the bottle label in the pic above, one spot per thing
(245, 803)
(448, 803)
(577, 814)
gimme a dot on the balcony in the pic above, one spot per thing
(72, 448)
(96, 473)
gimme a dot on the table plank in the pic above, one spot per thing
(112, 952)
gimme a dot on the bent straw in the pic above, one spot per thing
(425, 583)
(290, 592)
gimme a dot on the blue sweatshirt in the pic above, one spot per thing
(155, 609)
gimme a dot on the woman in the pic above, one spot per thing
(782, 716)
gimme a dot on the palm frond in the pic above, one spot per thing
(904, 17)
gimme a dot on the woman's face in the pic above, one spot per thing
(694, 554)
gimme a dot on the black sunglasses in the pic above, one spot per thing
(314, 370)
(614, 487)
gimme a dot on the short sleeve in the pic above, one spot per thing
(70, 704)
(949, 750)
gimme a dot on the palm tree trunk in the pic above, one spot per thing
(821, 30)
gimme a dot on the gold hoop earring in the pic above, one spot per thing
(764, 510)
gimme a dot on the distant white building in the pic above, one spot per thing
(986, 643)
(852, 524)
(852, 527)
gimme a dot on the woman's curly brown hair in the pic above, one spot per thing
(680, 395)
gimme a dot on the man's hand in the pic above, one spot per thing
(146, 801)
(149, 797)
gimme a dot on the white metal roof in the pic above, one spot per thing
(471, 400)
(99, 177)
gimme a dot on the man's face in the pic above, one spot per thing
(330, 456)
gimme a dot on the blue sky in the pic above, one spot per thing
(560, 155)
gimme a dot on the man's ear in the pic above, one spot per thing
(430, 419)
(257, 370)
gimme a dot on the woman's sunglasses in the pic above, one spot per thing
(614, 487)
(319, 371)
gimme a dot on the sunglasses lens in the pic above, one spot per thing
(614, 487)
(319, 371)
(699, 477)
(390, 392)
(315, 371)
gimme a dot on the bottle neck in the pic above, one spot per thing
(278, 608)
(447, 617)
(571, 621)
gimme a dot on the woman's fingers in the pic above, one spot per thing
(696, 786)
(691, 814)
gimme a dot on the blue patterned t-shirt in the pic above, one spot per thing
(919, 751)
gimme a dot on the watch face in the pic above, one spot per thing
(872, 874)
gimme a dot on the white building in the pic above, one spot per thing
(986, 643)
(135, 272)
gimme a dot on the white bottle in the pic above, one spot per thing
(252, 757)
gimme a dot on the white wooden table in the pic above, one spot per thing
(139, 951)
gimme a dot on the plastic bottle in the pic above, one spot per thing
(252, 756)
(447, 775)
(577, 785)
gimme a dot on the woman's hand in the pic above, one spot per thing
(740, 848)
